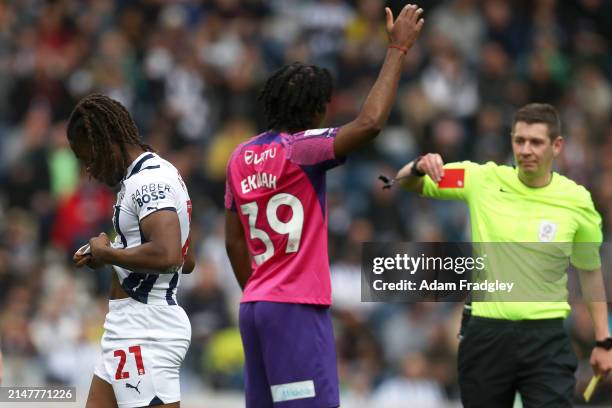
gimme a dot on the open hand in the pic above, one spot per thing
(406, 28)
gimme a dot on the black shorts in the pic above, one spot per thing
(497, 358)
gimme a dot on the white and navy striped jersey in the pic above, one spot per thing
(151, 184)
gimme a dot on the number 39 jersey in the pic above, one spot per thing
(151, 184)
(276, 183)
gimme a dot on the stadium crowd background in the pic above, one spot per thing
(189, 72)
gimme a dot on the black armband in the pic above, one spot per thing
(414, 171)
(604, 344)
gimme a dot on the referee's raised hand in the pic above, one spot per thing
(432, 165)
(406, 28)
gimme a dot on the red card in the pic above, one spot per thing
(453, 178)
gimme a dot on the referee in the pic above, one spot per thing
(522, 346)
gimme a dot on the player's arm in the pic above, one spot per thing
(411, 179)
(236, 247)
(161, 253)
(190, 260)
(593, 288)
(375, 111)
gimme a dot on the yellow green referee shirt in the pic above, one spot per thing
(504, 210)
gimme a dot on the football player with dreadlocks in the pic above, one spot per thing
(146, 333)
(276, 225)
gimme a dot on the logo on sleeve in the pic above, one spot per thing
(148, 193)
(317, 132)
(547, 231)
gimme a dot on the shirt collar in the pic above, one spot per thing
(136, 165)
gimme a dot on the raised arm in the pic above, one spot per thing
(375, 111)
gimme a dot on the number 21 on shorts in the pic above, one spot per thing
(135, 350)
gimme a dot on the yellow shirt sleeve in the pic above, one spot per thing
(456, 186)
(588, 237)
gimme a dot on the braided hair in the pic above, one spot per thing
(101, 122)
(294, 95)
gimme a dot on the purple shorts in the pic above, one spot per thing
(290, 355)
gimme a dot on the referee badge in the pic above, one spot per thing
(547, 231)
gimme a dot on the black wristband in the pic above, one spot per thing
(604, 344)
(414, 171)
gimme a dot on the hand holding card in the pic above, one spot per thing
(84, 250)
(82, 256)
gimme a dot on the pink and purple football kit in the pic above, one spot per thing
(276, 184)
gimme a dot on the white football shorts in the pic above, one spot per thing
(142, 350)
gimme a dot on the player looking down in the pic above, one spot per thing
(146, 334)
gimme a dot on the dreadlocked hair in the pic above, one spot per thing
(294, 95)
(102, 122)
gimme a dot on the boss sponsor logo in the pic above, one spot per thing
(148, 193)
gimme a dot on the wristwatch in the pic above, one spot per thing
(604, 344)
(414, 171)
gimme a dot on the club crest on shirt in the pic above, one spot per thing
(547, 231)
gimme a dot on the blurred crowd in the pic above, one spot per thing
(189, 72)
